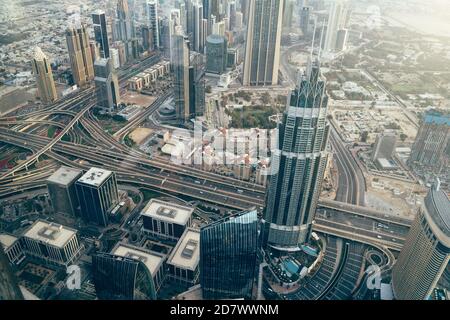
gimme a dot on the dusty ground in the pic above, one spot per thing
(140, 134)
(136, 98)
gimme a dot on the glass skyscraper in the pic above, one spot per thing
(298, 164)
(121, 278)
(228, 256)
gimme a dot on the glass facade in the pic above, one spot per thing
(228, 257)
(119, 278)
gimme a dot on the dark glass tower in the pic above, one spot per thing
(100, 32)
(298, 164)
(228, 256)
(120, 278)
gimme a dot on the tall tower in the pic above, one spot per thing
(80, 55)
(124, 30)
(298, 164)
(228, 256)
(198, 34)
(180, 65)
(426, 252)
(44, 77)
(262, 52)
(100, 32)
(108, 90)
(9, 289)
(336, 20)
(152, 15)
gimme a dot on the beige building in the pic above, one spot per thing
(44, 77)
(80, 55)
(426, 252)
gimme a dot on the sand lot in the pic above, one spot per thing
(140, 134)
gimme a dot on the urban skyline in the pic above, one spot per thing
(224, 149)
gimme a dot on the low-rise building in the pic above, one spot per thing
(13, 248)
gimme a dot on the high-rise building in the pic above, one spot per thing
(262, 52)
(124, 27)
(97, 195)
(108, 94)
(216, 54)
(44, 77)
(80, 55)
(298, 164)
(228, 256)
(304, 19)
(147, 38)
(180, 66)
(384, 146)
(196, 85)
(288, 12)
(153, 20)
(95, 50)
(122, 278)
(341, 40)
(100, 32)
(219, 28)
(198, 33)
(337, 20)
(61, 188)
(232, 15)
(9, 288)
(431, 148)
(426, 252)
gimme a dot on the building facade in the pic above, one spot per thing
(216, 54)
(107, 85)
(44, 77)
(262, 52)
(97, 195)
(426, 253)
(298, 164)
(101, 33)
(9, 287)
(153, 20)
(61, 189)
(228, 256)
(180, 67)
(80, 55)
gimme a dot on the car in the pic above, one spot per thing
(379, 237)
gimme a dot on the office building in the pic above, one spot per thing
(298, 164)
(12, 248)
(101, 33)
(431, 148)
(196, 85)
(61, 189)
(51, 243)
(183, 262)
(124, 27)
(262, 52)
(288, 12)
(304, 19)
(180, 67)
(147, 38)
(199, 31)
(9, 287)
(80, 55)
(341, 40)
(228, 256)
(94, 48)
(124, 277)
(115, 58)
(216, 54)
(107, 85)
(426, 252)
(44, 77)
(153, 20)
(97, 195)
(232, 57)
(337, 20)
(165, 220)
(384, 146)
(219, 28)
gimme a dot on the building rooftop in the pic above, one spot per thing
(64, 176)
(186, 254)
(95, 176)
(51, 233)
(165, 211)
(151, 260)
(7, 240)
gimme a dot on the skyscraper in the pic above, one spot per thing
(80, 55)
(108, 94)
(61, 188)
(100, 32)
(384, 146)
(44, 77)
(197, 85)
(216, 54)
(337, 19)
(198, 33)
(97, 195)
(124, 27)
(304, 19)
(180, 65)
(147, 38)
(262, 52)
(228, 256)
(431, 148)
(298, 164)
(153, 20)
(288, 13)
(9, 288)
(426, 252)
